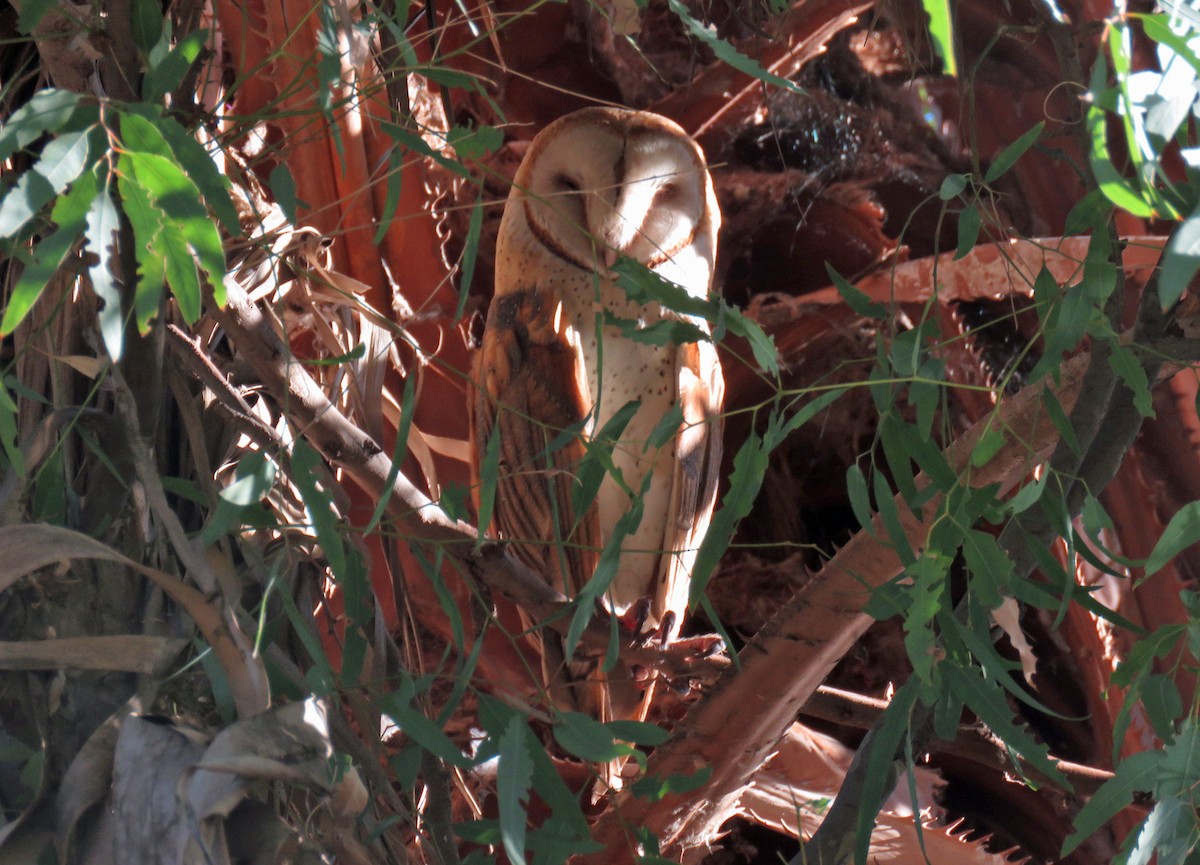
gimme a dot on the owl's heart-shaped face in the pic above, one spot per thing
(602, 183)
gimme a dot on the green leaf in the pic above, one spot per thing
(989, 565)
(146, 24)
(885, 502)
(587, 738)
(952, 186)
(146, 221)
(860, 497)
(414, 142)
(855, 299)
(187, 232)
(988, 446)
(199, 165)
(469, 256)
(726, 52)
(474, 143)
(1137, 773)
(749, 469)
(70, 214)
(1061, 422)
(597, 462)
(1163, 705)
(283, 188)
(985, 698)
(1126, 366)
(969, 223)
(639, 732)
(1115, 187)
(1180, 261)
(489, 479)
(423, 731)
(941, 33)
(8, 433)
(1088, 213)
(103, 226)
(1169, 829)
(47, 111)
(884, 745)
(513, 779)
(62, 161)
(1009, 155)
(652, 788)
(1181, 532)
(167, 75)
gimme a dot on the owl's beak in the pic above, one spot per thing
(611, 254)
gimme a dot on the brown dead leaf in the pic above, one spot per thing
(30, 547)
(129, 653)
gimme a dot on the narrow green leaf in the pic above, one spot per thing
(1115, 187)
(941, 33)
(1061, 422)
(1136, 773)
(883, 746)
(423, 731)
(146, 220)
(806, 413)
(855, 299)
(283, 188)
(103, 225)
(391, 192)
(985, 698)
(749, 469)
(469, 256)
(489, 478)
(860, 498)
(1181, 532)
(513, 779)
(1009, 155)
(726, 52)
(890, 515)
(969, 223)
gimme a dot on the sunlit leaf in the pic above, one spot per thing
(103, 225)
(47, 111)
(70, 215)
(726, 52)
(941, 33)
(62, 161)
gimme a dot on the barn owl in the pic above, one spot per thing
(595, 186)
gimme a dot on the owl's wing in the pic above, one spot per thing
(528, 394)
(701, 390)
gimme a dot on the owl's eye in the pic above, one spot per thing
(562, 183)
